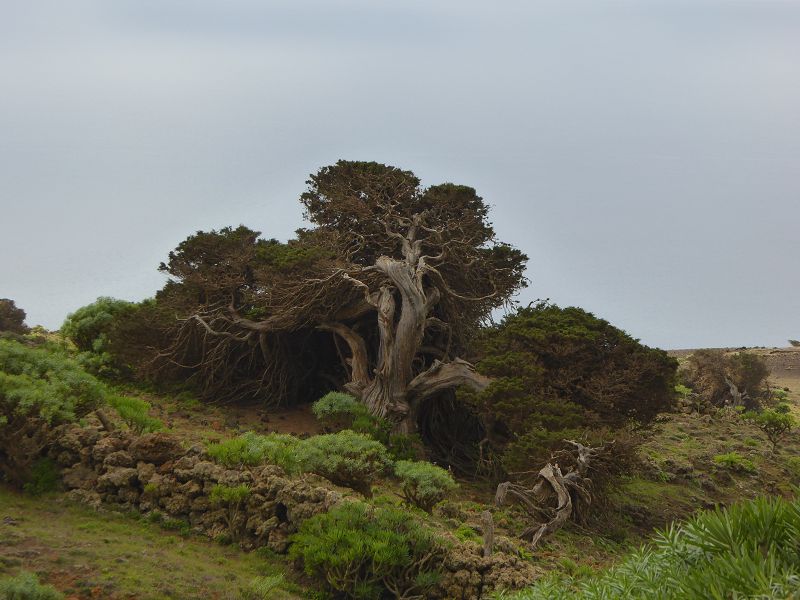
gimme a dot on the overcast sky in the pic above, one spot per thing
(645, 154)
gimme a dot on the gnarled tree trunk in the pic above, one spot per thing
(394, 390)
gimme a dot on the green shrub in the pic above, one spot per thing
(751, 550)
(775, 423)
(91, 328)
(423, 484)
(366, 552)
(135, 413)
(557, 371)
(26, 586)
(795, 343)
(338, 410)
(709, 372)
(232, 499)
(251, 449)
(347, 458)
(735, 462)
(40, 387)
(43, 477)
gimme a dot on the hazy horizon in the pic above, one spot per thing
(644, 154)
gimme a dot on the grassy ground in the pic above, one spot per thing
(90, 554)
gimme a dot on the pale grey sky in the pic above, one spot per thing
(644, 153)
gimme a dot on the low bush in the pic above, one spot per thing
(26, 586)
(251, 449)
(338, 411)
(40, 387)
(346, 458)
(423, 484)
(91, 328)
(136, 414)
(368, 553)
(232, 499)
(750, 550)
(735, 462)
(775, 423)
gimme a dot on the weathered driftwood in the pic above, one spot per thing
(555, 497)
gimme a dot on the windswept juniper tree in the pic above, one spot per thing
(389, 285)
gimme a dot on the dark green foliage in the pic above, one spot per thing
(423, 484)
(40, 387)
(87, 324)
(12, 318)
(136, 414)
(251, 449)
(750, 550)
(92, 328)
(26, 586)
(794, 343)
(708, 373)
(347, 458)
(44, 476)
(557, 371)
(775, 423)
(365, 552)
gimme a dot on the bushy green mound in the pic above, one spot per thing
(558, 371)
(346, 458)
(366, 552)
(40, 387)
(251, 449)
(424, 485)
(751, 550)
(338, 410)
(26, 586)
(91, 328)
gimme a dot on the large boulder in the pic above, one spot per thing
(157, 448)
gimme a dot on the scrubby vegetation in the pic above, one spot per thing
(40, 387)
(367, 552)
(26, 586)
(423, 485)
(558, 373)
(750, 550)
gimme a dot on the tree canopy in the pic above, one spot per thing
(379, 297)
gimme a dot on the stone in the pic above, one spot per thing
(120, 458)
(116, 477)
(79, 477)
(157, 448)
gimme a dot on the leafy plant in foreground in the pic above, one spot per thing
(365, 552)
(750, 550)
